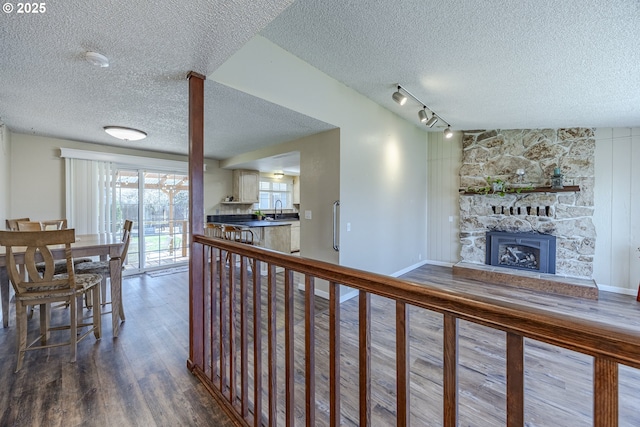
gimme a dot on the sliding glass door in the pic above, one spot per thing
(161, 201)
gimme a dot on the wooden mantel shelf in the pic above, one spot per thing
(566, 189)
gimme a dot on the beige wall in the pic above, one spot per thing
(38, 175)
(382, 157)
(5, 176)
(617, 185)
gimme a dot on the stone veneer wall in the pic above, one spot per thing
(567, 215)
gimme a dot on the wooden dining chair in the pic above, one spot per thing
(12, 224)
(54, 224)
(43, 288)
(103, 268)
(29, 226)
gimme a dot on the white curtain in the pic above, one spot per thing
(90, 194)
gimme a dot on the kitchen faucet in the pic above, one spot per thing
(275, 209)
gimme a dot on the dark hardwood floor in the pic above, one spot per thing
(140, 378)
(137, 379)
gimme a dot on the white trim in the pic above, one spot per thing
(614, 289)
(127, 160)
(408, 269)
(440, 263)
(325, 295)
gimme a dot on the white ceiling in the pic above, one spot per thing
(478, 64)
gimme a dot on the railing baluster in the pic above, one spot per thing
(402, 364)
(605, 393)
(450, 370)
(213, 271)
(289, 349)
(224, 336)
(364, 332)
(244, 339)
(609, 345)
(309, 350)
(334, 354)
(232, 329)
(515, 380)
(257, 345)
(273, 333)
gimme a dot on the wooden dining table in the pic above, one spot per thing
(105, 245)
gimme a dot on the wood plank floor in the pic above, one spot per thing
(140, 378)
(137, 379)
(558, 382)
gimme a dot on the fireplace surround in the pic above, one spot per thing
(567, 215)
(521, 251)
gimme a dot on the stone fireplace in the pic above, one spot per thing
(531, 207)
(521, 251)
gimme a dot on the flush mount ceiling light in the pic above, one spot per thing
(278, 175)
(127, 134)
(399, 97)
(97, 59)
(423, 114)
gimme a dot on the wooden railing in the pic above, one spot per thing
(229, 356)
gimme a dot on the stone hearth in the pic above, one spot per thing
(547, 283)
(567, 215)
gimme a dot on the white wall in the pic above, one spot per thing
(617, 209)
(382, 157)
(444, 158)
(617, 187)
(38, 176)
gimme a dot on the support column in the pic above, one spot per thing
(196, 219)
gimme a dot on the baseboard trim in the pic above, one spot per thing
(351, 293)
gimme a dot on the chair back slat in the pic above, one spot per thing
(29, 226)
(54, 224)
(12, 224)
(126, 237)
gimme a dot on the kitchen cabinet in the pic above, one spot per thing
(246, 184)
(296, 190)
(295, 236)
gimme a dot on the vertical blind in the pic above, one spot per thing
(90, 193)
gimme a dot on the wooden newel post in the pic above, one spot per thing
(196, 220)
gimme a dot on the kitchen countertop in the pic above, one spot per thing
(256, 223)
(248, 220)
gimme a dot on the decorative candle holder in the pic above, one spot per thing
(557, 179)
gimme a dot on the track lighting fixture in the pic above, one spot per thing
(423, 114)
(399, 97)
(448, 133)
(432, 121)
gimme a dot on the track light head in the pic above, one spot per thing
(399, 97)
(448, 133)
(432, 121)
(422, 115)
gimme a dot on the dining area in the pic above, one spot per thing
(138, 378)
(47, 269)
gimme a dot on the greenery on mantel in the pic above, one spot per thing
(497, 186)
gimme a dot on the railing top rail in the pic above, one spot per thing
(594, 338)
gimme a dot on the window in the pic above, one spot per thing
(104, 189)
(272, 190)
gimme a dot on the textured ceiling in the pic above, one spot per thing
(49, 89)
(486, 64)
(479, 64)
